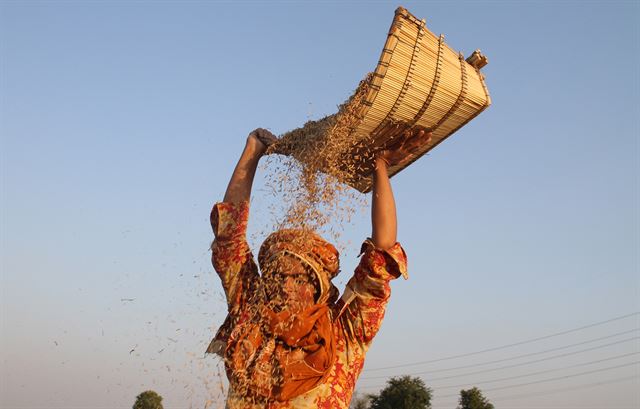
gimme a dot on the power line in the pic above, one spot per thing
(518, 356)
(541, 372)
(550, 392)
(567, 389)
(538, 360)
(507, 345)
(553, 379)
(517, 376)
(535, 361)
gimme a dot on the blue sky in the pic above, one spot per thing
(120, 124)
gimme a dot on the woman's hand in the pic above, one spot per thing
(407, 147)
(259, 140)
(383, 206)
(239, 188)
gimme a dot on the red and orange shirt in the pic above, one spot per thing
(356, 316)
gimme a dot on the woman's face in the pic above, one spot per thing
(290, 285)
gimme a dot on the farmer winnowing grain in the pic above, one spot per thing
(289, 341)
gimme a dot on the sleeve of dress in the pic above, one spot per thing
(230, 254)
(365, 298)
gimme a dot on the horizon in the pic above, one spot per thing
(120, 125)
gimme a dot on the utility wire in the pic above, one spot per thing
(531, 362)
(513, 357)
(572, 388)
(507, 345)
(553, 379)
(541, 372)
(537, 360)
(558, 390)
(517, 376)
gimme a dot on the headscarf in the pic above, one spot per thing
(281, 355)
(307, 246)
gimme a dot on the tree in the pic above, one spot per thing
(148, 400)
(359, 401)
(473, 399)
(403, 392)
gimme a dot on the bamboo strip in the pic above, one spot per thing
(461, 97)
(419, 81)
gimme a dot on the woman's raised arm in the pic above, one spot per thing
(383, 206)
(239, 188)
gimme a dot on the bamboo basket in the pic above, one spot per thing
(419, 83)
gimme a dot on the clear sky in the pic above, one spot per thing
(121, 121)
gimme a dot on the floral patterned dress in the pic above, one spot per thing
(356, 316)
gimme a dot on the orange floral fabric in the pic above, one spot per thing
(356, 316)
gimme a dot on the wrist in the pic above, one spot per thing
(381, 163)
(253, 149)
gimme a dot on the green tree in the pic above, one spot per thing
(473, 399)
(359, 401)
(403, 392)
(148, 400)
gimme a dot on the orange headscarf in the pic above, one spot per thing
(307, 246)
(281, 355)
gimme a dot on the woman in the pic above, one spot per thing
(288, 340)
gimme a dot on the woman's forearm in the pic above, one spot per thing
(383, 208)
(239, 188)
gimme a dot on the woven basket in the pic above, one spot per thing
(419, 83)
